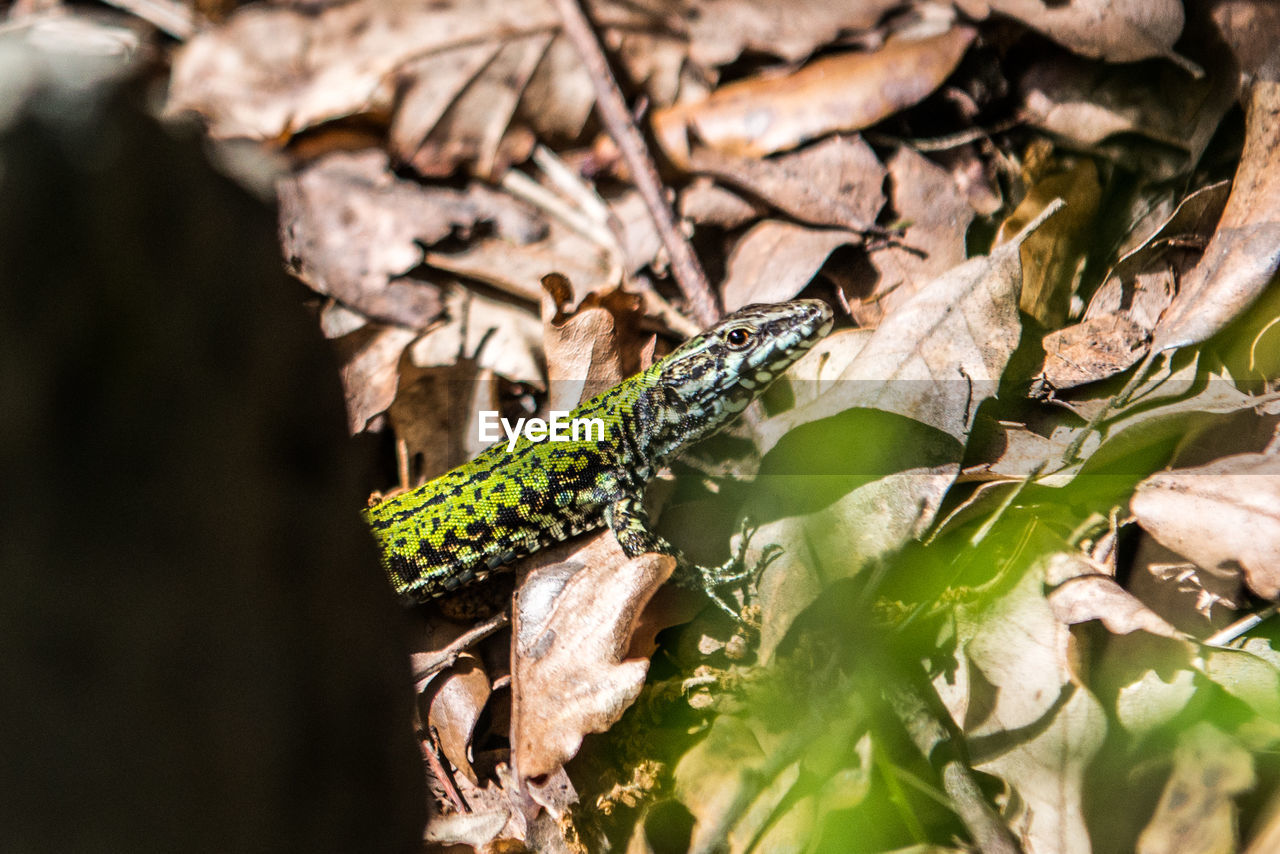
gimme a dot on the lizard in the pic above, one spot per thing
(506, 504)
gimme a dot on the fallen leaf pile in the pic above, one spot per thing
(1027, 493)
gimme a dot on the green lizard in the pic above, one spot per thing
(507, 504)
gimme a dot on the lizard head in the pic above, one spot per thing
(712, 377)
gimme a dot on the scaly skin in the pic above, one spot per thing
(504, 504)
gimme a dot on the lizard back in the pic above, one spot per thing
(504, 505)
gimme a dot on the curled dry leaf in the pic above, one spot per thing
(1218, 515)
(370, 357)
(592, 348)
(1117, 326)
(1099, 597)
(434, 414)
(1114, 30)
(352, 230)
(1197, 810)
(1244, 252)
(761, 115)
(573, 627)
(501, 337)
(458, 698)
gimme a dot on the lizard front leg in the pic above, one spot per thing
(629, 521)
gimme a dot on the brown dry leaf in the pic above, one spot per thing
(775, 259)
(1197, 813)
(1094, 349)
(1052, 256)
(1244, 252)
(927, 198)
(836, 182)
(1142, 283)
(1114, 30)
(515, 267)
(1204, 513)
(573, 628)
(272, 71)
(1117, 326)
(1091, 104)
(426, 410)
(1093, 596)
(475, 125)
(707, 203)
(762, 115)
(587, 349)
(458, 697)
(370, 357)
(1025, 719)
(352, 230)
(722, 29)
(503, 338)
(939, 354)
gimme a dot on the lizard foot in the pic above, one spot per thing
(735, 569)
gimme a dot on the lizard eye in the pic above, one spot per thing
(738, 338)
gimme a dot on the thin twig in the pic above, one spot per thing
(617, 120)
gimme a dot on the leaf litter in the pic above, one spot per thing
(1025, 492)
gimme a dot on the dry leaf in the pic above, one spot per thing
(836, 182)
(458, 696)
(1051, 256)
(1244, 252)
(499, 336)
(352, 230)
(593, 348)
(1094, 349)
(1099, 597)
(937, 215)
(1221, 514)
(775, 260)
(761, 115)
(475, 125)
(370, 359)
(1101, 108)
(434, 415)
(572, 631)
(1114, 30)
(707, 203)
(722, 29)
(910, 396)
(272, 71)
